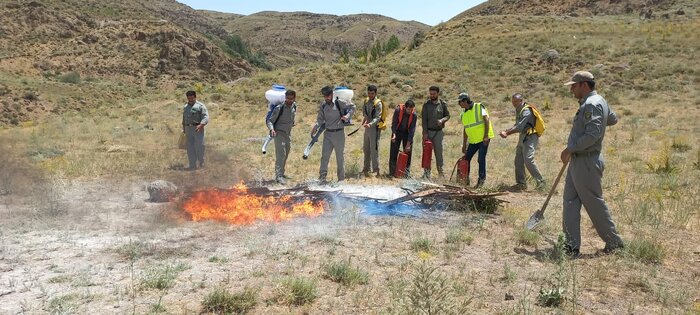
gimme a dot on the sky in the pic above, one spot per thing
(427, 12)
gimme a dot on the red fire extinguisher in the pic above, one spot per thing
(427, 154)
(401, 162)
(463, 169)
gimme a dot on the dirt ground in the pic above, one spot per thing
(91, 248)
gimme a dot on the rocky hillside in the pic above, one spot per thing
(49, 46)
(645, 8)
(298, 37)
(130, 39)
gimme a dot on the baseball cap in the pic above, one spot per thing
(580, 76)
(463, 96)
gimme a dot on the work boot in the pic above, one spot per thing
(286, 177)
(426, 174)
(517, 187)
(441, 174)
(479, 183)
(281, 180)
(541, 185)
(322, 181)
(572, 253)
(611, 249)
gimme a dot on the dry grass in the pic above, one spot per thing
(92, 165)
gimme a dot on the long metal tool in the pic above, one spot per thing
(314, 139)
(538, 216)
(267, 141)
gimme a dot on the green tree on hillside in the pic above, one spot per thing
(418, 39)
(236, 47)
(392, 44)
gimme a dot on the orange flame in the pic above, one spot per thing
(237, 206)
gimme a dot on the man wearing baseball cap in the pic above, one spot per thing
(478, 132)
(585, 172)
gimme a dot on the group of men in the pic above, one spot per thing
(583, 150)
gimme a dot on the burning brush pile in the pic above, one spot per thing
(243, 205)
(246, 205)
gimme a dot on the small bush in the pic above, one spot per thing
(527, 238)
(299, 291)
(551, 297)
(661, 163)
(217, 259)
(70, 77)
(422, 244)
(65, 304)
(162, 277)
(680, 145)
(431, 293)
(509, 275)
(645, 251)
(30, 96)
(344, 273)
(223, 302)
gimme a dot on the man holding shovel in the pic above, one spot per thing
(583, 180)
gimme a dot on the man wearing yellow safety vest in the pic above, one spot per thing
(477, 132)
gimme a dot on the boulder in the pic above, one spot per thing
(551, 55)
(161, 191)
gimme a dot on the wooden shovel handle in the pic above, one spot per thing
(554, 186)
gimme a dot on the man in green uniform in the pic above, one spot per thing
(280, 124)
(527, 143)
(585, 172)
(332, 114)
(372, 114)
(434, 116)
(194, 118)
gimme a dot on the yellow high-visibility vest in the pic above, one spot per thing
(474, 126)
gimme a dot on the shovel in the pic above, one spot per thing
(538, 216)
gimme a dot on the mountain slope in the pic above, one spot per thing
(645, 8)
(48, 46)
(288, 38)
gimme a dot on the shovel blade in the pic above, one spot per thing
(535, 220)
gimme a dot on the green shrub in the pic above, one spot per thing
(527, 237)
(422, 244)
(299, 291)
(645, 251)
(344, 273)
(551, 297)
(221, 301)
(70, 77)
(162, 277)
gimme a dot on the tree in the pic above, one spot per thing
(418, 39)
(392, 44)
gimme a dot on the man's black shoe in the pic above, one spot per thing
(610, 249)
(517, 188)
(572, 253)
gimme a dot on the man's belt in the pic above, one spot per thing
(334, 130)
(585, 154)
(192, 124)
(431, 129)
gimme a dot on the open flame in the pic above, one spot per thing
(238, 206)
